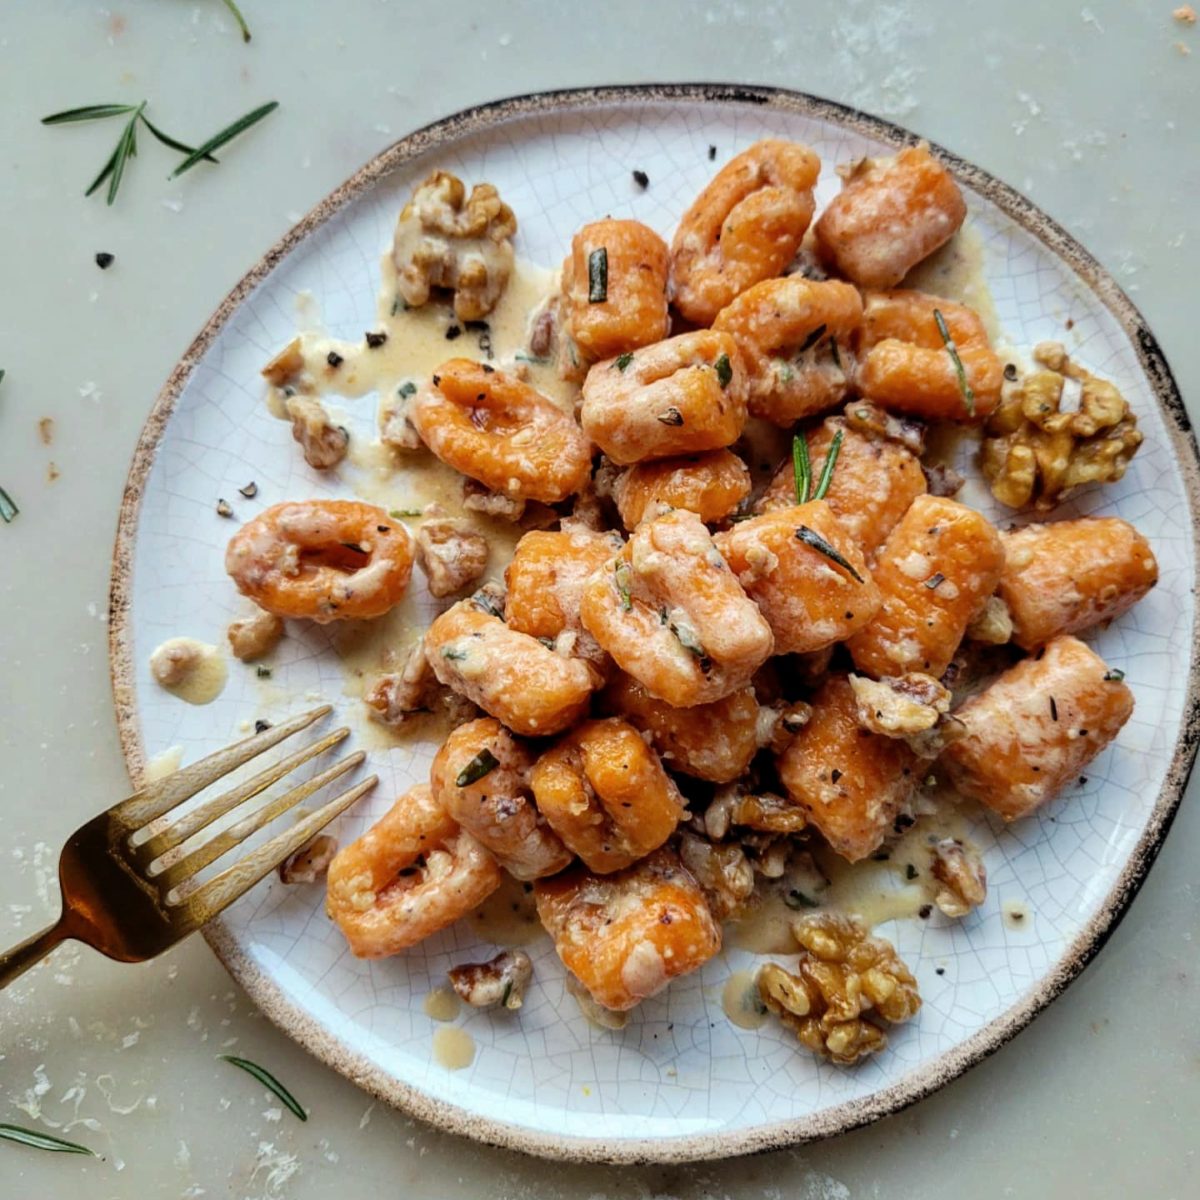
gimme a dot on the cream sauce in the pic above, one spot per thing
(958, 272)
(162, 765)
(508, 917)
(442, 1004)
(741, 1001)
(416, 342)
(199, 675)
(413, 482)
(453, 1048)
(898, 887)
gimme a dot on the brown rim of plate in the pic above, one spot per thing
(930, 1076)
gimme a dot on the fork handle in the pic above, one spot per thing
(20, 958)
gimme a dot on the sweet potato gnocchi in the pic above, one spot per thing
(745, 627)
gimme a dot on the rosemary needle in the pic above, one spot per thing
(42, 1141)
(237, 16)
(226, 135)
(831, 457)
(268, 1081)
(801, 468)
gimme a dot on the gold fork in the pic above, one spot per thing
(124, 875)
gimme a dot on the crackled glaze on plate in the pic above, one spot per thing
(680, 1081)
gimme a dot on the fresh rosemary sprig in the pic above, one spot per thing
(482, 764)
(237, 16)
(810, 537)
(113, 170)
(226, 135)
(43, 1141)
(831, 458)
(268, 1081)
(963, 385)
(801, 468)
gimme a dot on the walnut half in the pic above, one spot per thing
(846, 983)
(447, 239)
(1034, 451)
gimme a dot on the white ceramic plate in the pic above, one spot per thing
(680, 1081)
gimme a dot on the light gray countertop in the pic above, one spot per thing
(1088, 109)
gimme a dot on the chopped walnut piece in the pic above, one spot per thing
(541, 333)
(1034, 451)
(253, 637)
(846, 982)
(872, 421)
(501, 981)
(477, 498)
(395, 429)
(723, 872)
(397, 697)
(962, 875)
(310, 862)
(899, 705)
(941, 480)
(324, 444)
(993, 625)
(451, 554)
(780, 722)
(447, 239)
(287, 366)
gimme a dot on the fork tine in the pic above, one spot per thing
(220, 892)
(192, 822)
(185, 867)
(158, 797)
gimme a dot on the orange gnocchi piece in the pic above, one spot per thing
(412, 873)
(625, 936)
(873, 482)
(935, 573)
(1067, 576)
(325, 560)
(672, 614)
(805, 572)
(890, 214)
(500, 431)
(905, 364)
(680, 396)
(480, 777)
(510, 675)
(605, 793)
(1035, 728)
(714, 741)
(545, 581)
(710, 485)
(851, 783)
(745, 226)
(626, 262)
(793, 333)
